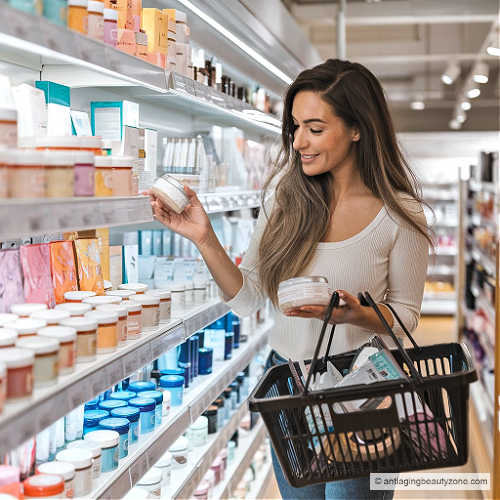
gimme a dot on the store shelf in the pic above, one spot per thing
(441, 271)
(243, 457)
(30, 217)
(450, 251)
(261, 481)
(228, 201)
(147, 452)
(439, 307)
(445, 224)
(89, 379)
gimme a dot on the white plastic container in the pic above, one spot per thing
(95, 449)
(122, 312)
(123, 294)
(150, 310)
(138, 288)
(165, 303)
(86, 337)
(171, 193)
(64, 469)
(75, 309)
(8, 338)
(302, 291)
(26, 327)
(46, 367)
(26, 310)
(6, 318)
(78, 295)
(67, 345)
(81, 459)
(165, 466)
(53, 317)
(151, 482)
(100, 300)
(179, 451)
(134, 319)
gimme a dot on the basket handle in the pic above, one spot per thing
(334, 302)
(401, 349)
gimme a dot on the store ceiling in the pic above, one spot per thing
(408, 44)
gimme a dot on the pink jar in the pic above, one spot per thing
(84, 173)
(26, 174)
(19, 364)
(122, 175)
(110, 26)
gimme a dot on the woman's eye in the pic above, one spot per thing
(316, 131)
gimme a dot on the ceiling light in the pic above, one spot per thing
(454, 124)
(465, 105)
(480, 73)
(236, 41)
(451, 73)
(417, 105)
(473, 92)
(493, 51)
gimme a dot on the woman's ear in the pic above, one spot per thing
(355, 135)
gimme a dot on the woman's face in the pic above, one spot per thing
(322, 138)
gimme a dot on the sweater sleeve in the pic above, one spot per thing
(407, 272)
(250, 296)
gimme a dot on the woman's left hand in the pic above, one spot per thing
(352, 312)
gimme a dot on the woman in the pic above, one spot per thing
(345, 206)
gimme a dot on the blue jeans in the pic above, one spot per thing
(348, 489)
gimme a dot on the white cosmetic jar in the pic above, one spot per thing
(171, 193)
(302, 291)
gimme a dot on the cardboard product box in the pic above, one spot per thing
(11, 279)
(171, 19)
(141, 45)
(129, 14)
(108, 118)
(126, 41)
(89, 265)
(58, 101)
(152, 23)
(151, 150)
(103, 239)
(115, 265)
(63, 269)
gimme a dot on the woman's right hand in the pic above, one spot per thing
(193, 223)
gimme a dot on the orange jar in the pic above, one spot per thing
(107, 330)
(122, 175)
(60, 175)
(77, 15)
(103, 176)
(26, 174)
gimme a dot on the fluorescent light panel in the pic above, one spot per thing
(236, 41)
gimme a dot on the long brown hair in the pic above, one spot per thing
(301, 210)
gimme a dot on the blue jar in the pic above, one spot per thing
(236, 333)
(194, 345)
(123, 395)
(92, 404)
(172, 371)
(109, 443)
(141, 386)
(91, 419)
(132, 415)
(205, 360)
(228, 345)
(147, 409)
(111, 404)
(158, 399)
(184, 362)
(174, 384)
(55, 11)
(122, 426)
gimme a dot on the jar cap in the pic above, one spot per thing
(80, 324)
(146, 300)
(143, 403)
(8, 114)
(14, 357)
(79, 457)
(26, 309)
(69, 141)
(161, 294)
(43, 485)
(141, 386)
(120, 425)
(78, 295)
(58, 158)
(110, 14)
(74, 308)
(26, 157)
(102, 318)
(51, 315)
(172, 371)
(119, 309)
(3, 369)
(178, 287)
(121, 293)
(83, 157)
(152, 476)
(111, 404)
(180, 445)
(39, 345)
(122, 161)
(94, 448)
(6, 318)
(95, 6)
(8, 336)
(61, 333)
(171, 381)
(103, 438)
(301, 280)
(136, 287)
(130, 412)
(156, 395)
(94, 416)
(122, 395)
(132, 306)
(200, 423)
(102, 299)
(27, 325)
(64, 469)
(103, 161)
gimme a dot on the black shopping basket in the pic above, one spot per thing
(410, 424)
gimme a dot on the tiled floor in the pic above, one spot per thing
(431, 330)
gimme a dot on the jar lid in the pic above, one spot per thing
(103, 438)
(111, 404)
(145, 404)
(178, 288)
(141, 386)
(51, 315)
(161, 294)
(135, 287)
(94, 448)
(14, 357)
(39, 345)
(94, 416)
(6, 156)
(91, 404)
(8, 336)
(27, 309)
(61, 333)
(27, 325)
(120, 425)
(122, 395)
(156, 395)
(122, 161)
(180, 445)
(130, 412)
(301, 280)
(180, 17)
(58, 158)
(172, 371)
(119, 309)
(103, 161)
(83, 157)
(132, 306)
(152, 476)
(80, 324)
(78, 295)
(110, 15)
(64, 469)
(171, 381)
(6, 318)
(102, 318)
(124, 294)
(165, 460)
(95, 6)
(168, 182)
(102, 299)
(43, 485)
(146, 300)
(27, 157)
(200, 423)
(79, 457)
(8, 114)
(75, 308)
(90, 142)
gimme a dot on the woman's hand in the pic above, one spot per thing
(352, 312)
(193, 223)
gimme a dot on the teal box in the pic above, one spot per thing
(55, 93)
(158, 242)
(108, 118)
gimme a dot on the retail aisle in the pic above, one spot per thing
(431, 330)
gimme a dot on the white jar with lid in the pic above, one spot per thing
(26, 310)
(123, 294)
(64, 469)
(81, 459)
(53, 317)
(165, 466)
(122, 312)
(95, 449)
(67, 345)
(178, 298)
(107, 330)
(151, 482)
(86, 337)
(165, 303)
(138, 288)
(26, 327)
(188, 294)
(6, 318)
(78, 295)
(179, 451)
(8, 338)
(100, 300)
(75, 309)
(150, 310)
(198, 431)
(302, 291)
(134, 319)
(46, 367)
(171, 192)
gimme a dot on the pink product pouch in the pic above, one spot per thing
(38, 286)
(11, 280)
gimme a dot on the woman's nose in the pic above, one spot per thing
(299, 141)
